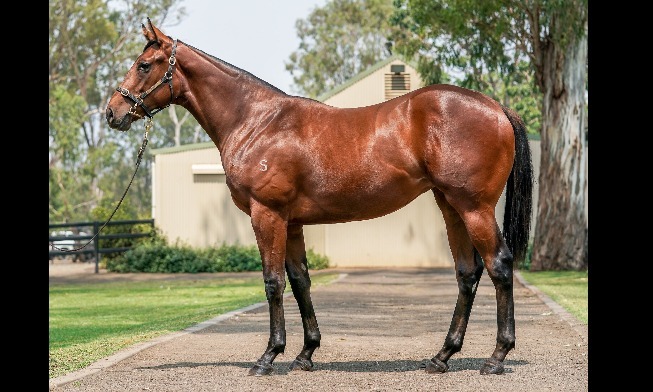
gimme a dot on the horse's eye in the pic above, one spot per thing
(144, 67)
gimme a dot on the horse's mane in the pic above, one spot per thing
(239, 70)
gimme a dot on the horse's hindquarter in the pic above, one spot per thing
(470, 145)
(319, 164)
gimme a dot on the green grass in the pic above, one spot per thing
(92, 321)
(568, 289)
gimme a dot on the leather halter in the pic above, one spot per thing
(167, 78)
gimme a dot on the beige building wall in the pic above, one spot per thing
(191, 202)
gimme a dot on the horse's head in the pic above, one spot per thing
(148, 86)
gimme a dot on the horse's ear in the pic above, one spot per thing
(159, 36)
(148, 33)
(153, 29)
(152, 33)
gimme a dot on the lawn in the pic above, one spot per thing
(92, 321)
(568, 289)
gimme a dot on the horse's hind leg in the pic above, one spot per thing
(300, 282)
(469, 268)
(499, 264)
(487, 239)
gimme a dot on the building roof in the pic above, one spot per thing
(185, 147)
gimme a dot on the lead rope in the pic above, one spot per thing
(148, 126)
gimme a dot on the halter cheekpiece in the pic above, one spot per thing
(167, 78)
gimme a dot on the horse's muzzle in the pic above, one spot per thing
(121, 124)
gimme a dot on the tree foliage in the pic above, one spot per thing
(493, 40)
(92, 44)
(474, 42)
(337, 42)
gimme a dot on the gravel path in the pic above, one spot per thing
(377, 326)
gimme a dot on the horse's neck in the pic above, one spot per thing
(222, 98)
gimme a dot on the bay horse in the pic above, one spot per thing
(291, 161)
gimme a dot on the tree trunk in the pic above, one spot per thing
(561, 230)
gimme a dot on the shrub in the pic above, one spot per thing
(316, 261)
(155, 255)
(236, 258)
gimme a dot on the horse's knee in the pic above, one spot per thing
(274, 287)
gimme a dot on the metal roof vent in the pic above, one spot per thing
(397, 82)
(397, 68)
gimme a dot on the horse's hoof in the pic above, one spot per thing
(260, 370)
(492, 366)
(302, 364)
(434, 365)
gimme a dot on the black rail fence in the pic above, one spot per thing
(71, 236)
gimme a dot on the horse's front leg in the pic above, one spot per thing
(300, 282)
(271, 232)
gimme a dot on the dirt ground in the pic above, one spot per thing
(377, 327)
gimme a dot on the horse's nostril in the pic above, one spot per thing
(109, 114)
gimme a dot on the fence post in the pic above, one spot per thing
(96, 246)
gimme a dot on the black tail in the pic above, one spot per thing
(519, 192)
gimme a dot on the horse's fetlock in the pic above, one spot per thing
(277, 347)
(312, 339)
(506, 341)
(454, 344)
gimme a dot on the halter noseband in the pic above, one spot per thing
(167, 78)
